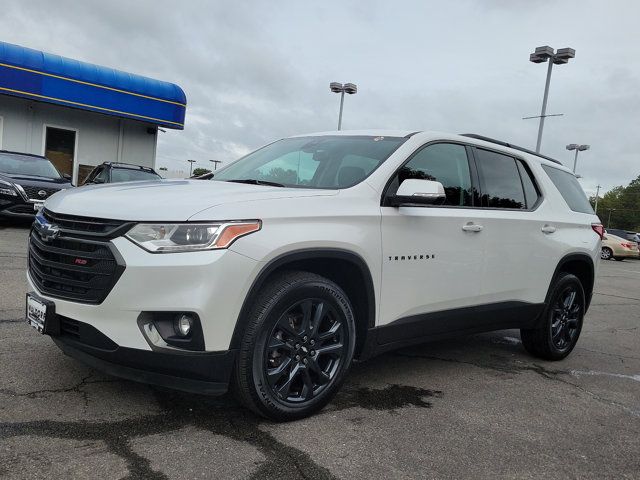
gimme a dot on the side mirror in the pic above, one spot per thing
(66, 176)
(414, 192)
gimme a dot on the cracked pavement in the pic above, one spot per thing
(476, 407)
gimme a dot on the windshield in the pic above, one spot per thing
(328, 162)
(130, 175)
(16, 164)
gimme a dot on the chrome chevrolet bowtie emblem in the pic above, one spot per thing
(46, 230)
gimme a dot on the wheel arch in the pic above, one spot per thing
(346, 268)
(581, 265)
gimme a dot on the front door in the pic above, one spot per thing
(59, 147)
(432, 260)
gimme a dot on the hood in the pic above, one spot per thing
(19, 178)
(164, 200)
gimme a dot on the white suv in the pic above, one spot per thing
(310, 252)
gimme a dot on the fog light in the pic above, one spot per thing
(183, 324)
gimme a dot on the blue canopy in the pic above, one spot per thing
(51, 78)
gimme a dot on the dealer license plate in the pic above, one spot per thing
(36, 313)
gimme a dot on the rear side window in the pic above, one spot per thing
(500, 180)
(531, 194)
(570, 189)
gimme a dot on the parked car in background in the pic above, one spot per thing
(626, 234)
(618, 248)
(112, 172)
(26, 181)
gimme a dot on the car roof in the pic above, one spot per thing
(469, 138)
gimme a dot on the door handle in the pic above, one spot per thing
(472, 227)
(548, 229)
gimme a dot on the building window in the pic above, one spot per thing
(60, 146)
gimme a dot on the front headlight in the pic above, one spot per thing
(7, 188)
(189, 237)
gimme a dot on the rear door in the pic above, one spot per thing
(520, 250)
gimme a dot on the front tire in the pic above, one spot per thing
(606, 253)
(561, 321)
(297, 347)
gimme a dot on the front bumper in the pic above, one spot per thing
(16, 207)
(203, 373)
(107, 336)
(212, 284)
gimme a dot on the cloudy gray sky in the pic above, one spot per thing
(255, 71)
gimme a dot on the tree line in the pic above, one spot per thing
(620, 207)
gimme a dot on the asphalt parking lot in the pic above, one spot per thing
(476, 407)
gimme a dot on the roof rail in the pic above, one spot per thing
(510, 145)
(129, 165)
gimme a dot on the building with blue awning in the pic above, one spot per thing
(80, 115)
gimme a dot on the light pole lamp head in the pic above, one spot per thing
(350, 88)
(572, 146)
(541, 54)
(582, 148)
(336, 87)
(566, 53)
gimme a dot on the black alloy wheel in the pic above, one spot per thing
(296, 348)
(305, 350)
(558, 328)
(566, 315)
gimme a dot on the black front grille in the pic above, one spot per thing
(74, 267)
(87, 226)
(33, 192)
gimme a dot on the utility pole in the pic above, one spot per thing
(597, 195)
(609, 219)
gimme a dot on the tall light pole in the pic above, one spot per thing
(547, 54)
(191, 162)
(215, 164)
(350, 88)
(578, 148)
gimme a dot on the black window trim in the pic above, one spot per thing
(475, 178)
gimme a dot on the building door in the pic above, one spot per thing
(60, 148)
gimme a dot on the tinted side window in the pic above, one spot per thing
(531, 194)
(570, 189)
(446, 163)
(500, 180)
(102, 175)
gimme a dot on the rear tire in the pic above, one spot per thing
(618, 259)
(297, 346)
(560, 323)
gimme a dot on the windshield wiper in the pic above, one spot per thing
(253, 181)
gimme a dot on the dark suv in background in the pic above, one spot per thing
(625, 234)
(26, 181)
(112, 172)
